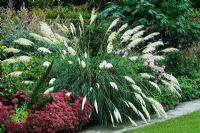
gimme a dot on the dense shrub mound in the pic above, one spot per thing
(63, 114)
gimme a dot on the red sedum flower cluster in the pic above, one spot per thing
(64, 114)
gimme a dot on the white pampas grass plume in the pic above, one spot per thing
(93, 16)
(47, 40)
(83, 64)
(129, 79)
(112, 37)
(133, 58)
(148, 50)
(146, 75)
(85, 55)
(171, 78)
(150, 36)
(46, 64)
(140, 99)
(137, 35)
(171, 87)
(167, 50)
(71, 51)
(106, 65)
(137, 28)
(98, 85)
(15, 74)
(73, 29)
(27, 82)
(83, 103)
(146, 113)
(81, 20)
(132, 121)
(24, 58)
(48, 90)
(51, 82)
(36, 36)
(135, 42)
(155, 85)
(46, 30)
(113, 24)
(23, 42)
(122, 28)
(44, 50)
(146, 56)
(96, 106)
(10, 61)
(133, 107)
(117, 115)
(155, 44)
(156, 58)
(112, 120)
(11, 50)
(114, 85)
(142, 116)
(109, 48)
(70, 62)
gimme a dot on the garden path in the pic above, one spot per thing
(179, 110)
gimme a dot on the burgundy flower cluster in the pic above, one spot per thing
(64, 114)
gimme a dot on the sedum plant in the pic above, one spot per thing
(116, 75)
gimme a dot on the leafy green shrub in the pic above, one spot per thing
(168, 17)
(109, 73)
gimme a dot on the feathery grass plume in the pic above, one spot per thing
(36, 36)
(72, 29)
(96, 105)
(146, 56)
(171, 87)
(70, 62)
(133, 58)
(51, 82)
(109, 48)
(146, 75)
(85, 55)
(105, 64)
(156, 58)
(113, 24)
(83, 103)
(44, 50)
(27, 82)
(80, 31)
(112, 120)
(140, 99)
(129, 79)
(146, 113)
(46, 30)
(132, 121)
(171, 78)
(148, 50)
(11, 50)
(142, 116)
(47, 40)
(137, 35)
(167, 50)
(10, 61)
(117, 115)
(126, 36)
(150, 36)
(49, 90)
(137, 28)
(135, 42)
(133, 107)
(15, 74)
(155, 85)
(155, 44)
(112, 37)
(122, 28)
(24, 42)
(81, 20)
(83, 64)
(114, 85)
(93, 16)
(24, 58)
(71, 51)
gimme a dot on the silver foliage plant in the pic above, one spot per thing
(67, 45)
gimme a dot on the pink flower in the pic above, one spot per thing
(1, 104)
(15, 100)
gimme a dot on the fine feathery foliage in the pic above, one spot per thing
(116, 76)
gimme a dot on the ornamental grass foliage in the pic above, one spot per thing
(114, 68)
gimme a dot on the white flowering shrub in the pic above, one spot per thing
(116, 76)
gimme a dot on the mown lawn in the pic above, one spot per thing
(185, 124)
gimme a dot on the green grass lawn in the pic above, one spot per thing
(185, 124)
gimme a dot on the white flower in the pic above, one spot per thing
(71, 51)
(96, 106)
(24, 42)
(46, 64)
(83, 64)
(129, 79)
(46, 30)
(11, 50)
(24, 58)
(27, 82)
(10, 61)
(15, 74)
(49, 90)
(51, 82)
(44, 50)
(170, 50)
(113, 24)
(83, 103)
(114, 85)
(133, 58)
